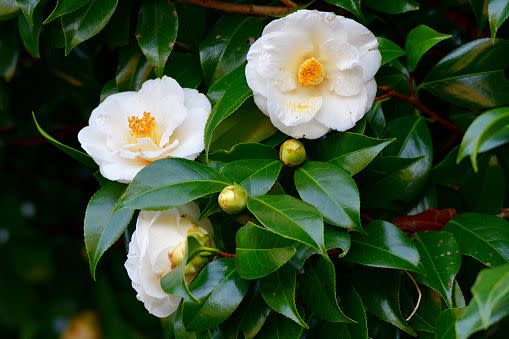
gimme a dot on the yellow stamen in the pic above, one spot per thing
(142, 127)
(311, 72)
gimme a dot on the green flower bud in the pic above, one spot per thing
(233, 199)
(292, 153)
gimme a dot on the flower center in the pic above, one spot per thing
(144, 127)
(311, 72)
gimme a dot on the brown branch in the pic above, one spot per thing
(226, 255)
(289, 3)
(245, 9)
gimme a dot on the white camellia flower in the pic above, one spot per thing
(129, 130)
(157, 246)
(313, 71)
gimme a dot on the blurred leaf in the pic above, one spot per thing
(319, 286)
(193, 25)
(219, 289)
(278, 291)
(8, 7)
(9, 55)
(104, 225)
(498, 11)
(353, 6)
(30, 33)
(332, 191)
(419, 41)
(278, 326)
(84, 158)
(480, 9)
(491, 127)
(133, 69)
(290, 218)
(445, 325)
(392, 6)
(376, 119)
(257, 176)
(156, 32)
(350, 151)
(260, 252)
(481, 236)
(185, 69)
(389, 50)
(28, 7)
(63, 7)
(81, 25)
(226, 45)
(171, 182)
(489, 304)
(440, 261)
(472, 75)
(384, 245)
(336, 238)
(239, 151)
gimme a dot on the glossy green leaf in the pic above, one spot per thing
(219, 289)
(383, 245)
(30, 32)
(472, 75)
(332, 191)
(226, 45)
(353, 6)
(392, 6)
(253, 315)
(483, 130)
(63, 7)
(350, 151)
(185, 69)
(419, 41)
(498, 11)
(28, 7)
(175, 282)
(81, 25)
(278, 291)
(389, 50)
(83, 158)
(489, 304)
(260, 252)
(104, 225)
(278, 326)
(290, 218)
(239, 151)
(234, 91)
(440, 261)
(445, 327)
(336, 238)
(319, 285)
(171, 182)
(257, 176)
(133, 69)
(481, 236)
(156, 32)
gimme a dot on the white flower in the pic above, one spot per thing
(152, 246)
(313, 71)
(129, 130)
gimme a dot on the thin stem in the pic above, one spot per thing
(218, 252)
(411, 84)
(419, 297)
(289, 3)
(245, 9)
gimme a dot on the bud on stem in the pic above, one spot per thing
(292, 153)
(233, 199)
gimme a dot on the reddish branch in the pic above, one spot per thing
(226, 255)
(245, 9)
(432, 219)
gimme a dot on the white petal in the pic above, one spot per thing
(255, 81)
(295, 108)
(153, 90)
(93, 141)
(123, 171)
(160, 307)
(347, 82)
(370, 61)
(371, 94)
(308, 130)
(341, 113)
(338, 54)
(360, 36)
(261, 102)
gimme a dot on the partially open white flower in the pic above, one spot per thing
(129, 130)
(154, 243)
(313, 71)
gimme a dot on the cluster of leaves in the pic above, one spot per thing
(305, 264)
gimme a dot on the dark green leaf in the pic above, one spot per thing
(238, 152)
(278, 326)
(290, 218)
(440, 261)
(336, 238)
(319, 290)
(104, 225)
(219, 289)
(255, 312)
(472, 76)
(392, 6)
(226, 45)
(481, 236)
(389, 50)
(278, 290)
(445, 324)
(350, 151)
(498, 11)
(156, 32)
(185, 69)
(30, 33)
(384, 245)
(353, 6)
(171, 182)
(332, 191)
(260, 252)
(28, 7)
(63, 7)
(133, 69)
(485, 129)
(257, 176)
(480, 9)
(9, 55)
(419, 41)
(84, 158)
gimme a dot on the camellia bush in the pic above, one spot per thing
(329, 169)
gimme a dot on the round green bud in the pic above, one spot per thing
(233, 199)
(292, 153)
